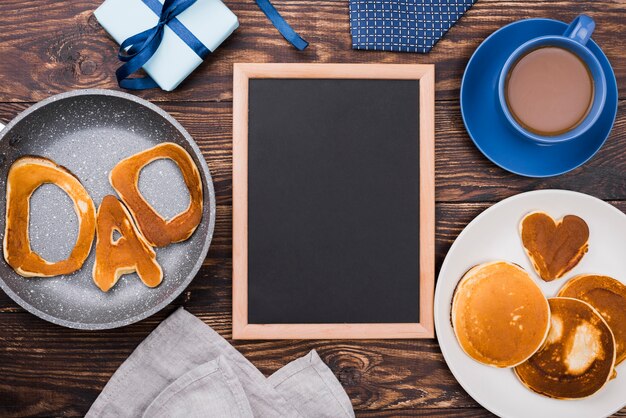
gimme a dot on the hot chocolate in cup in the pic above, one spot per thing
(552, 88)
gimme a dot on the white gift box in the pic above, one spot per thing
(210, 21)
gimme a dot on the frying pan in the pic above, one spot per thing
(88, 132)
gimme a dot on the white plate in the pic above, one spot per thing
(493, 235)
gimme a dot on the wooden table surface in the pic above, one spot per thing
(48, 47)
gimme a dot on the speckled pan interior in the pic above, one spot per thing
(89, 131)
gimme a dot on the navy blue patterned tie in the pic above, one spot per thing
(403, 25)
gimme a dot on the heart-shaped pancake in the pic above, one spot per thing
(554, 247)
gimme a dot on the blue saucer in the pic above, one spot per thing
(491, 132)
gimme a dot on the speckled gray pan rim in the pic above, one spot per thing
(89, 131)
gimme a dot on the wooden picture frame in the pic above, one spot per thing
(426, 76)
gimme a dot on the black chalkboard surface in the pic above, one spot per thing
(333, 206)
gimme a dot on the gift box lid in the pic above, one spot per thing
(209, 20)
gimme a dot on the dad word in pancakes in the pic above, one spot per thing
(140, 227)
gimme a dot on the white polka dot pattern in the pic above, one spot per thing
(403, 25)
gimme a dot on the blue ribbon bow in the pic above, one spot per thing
(138, 49)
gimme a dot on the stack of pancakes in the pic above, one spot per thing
(577, 358)
(564, 347)
(608, 297)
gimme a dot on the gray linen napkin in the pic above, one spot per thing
(184, 368)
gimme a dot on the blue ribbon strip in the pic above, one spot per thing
(138, 49)
(283, 27)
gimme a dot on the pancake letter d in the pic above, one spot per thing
(25, 176)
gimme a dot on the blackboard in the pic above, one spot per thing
(334, 188)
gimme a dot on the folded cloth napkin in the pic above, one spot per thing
(403, 25)
(185, 369)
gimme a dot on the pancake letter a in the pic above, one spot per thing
(128, 253)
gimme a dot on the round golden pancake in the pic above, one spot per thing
(578, 356)
(608, 297)
(499, 315)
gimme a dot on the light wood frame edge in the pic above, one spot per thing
(240, 200)
(241, 75)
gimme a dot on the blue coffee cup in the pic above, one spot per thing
(574, 39)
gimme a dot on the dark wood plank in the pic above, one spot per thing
(429, 412)
(50, 370)
(55, 370)
(50, 47)
(463, 174)
(61, 371)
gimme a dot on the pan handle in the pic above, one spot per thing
(2, 125)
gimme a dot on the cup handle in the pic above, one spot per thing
(580, 29)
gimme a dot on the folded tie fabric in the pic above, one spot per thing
(403, 25)
(185, 369)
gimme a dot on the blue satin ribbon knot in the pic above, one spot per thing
(137, 50)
